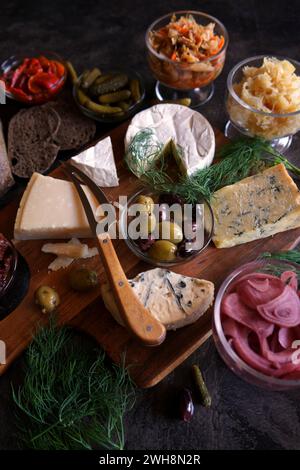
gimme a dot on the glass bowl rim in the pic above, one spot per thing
(185, 12)
(242, 103)
(102, 117)
(144, 256)
(217, 325)
(13, 269)
(46, 53)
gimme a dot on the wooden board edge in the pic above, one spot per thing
(157, 379)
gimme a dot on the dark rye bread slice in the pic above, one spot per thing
(6, 177)
(30, 140)
(75, 129)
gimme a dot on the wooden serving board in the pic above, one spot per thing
(86, 311)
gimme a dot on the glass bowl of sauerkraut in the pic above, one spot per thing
(186, 52)
(263, 100)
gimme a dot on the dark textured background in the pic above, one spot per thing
(89, 32)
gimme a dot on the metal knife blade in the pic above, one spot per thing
(84, 200)
(99, 194)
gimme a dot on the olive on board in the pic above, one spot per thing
(170, 231)
(147, 224)
(146, 202)
(83, 279)
(46, 298)
(163, 250)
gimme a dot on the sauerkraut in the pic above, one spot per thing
(272, 88)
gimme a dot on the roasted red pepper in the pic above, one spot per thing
(36, 79)
(18, 73)
(20, 94)
(34, 67)
(44, 62)
(42, 81)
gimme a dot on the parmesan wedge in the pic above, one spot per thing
(66, 249)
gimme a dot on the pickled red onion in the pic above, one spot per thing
(261, 320)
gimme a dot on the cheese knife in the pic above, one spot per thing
(135, 316)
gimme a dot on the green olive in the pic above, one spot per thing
(147, 202)
(170, 231)
(147, 224)
(83, 279)
(46, 298)
(163, 250)
(151, 223)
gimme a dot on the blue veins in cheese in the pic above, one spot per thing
(255, 207)
(173, 299)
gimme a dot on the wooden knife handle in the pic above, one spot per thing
(135, 316)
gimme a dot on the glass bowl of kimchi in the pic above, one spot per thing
(256, 323)
(186, 52)
(263, 100)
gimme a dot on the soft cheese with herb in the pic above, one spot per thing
(190, 131)
(173, 299)
(256, 207)
(98, 163)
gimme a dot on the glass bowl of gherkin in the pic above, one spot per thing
(109, 95)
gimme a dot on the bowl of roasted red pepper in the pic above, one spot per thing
(35, 79)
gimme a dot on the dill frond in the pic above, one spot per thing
(71, 399)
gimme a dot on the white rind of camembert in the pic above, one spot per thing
(98, 163)
(256, 207)
(188, 129)
(173, 299)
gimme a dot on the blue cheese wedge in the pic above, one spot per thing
(173, 299)
(98, 163)
(256, 207)
(189, 130)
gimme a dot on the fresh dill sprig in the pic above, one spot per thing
(71, 399)
(237, 160)
(288, 256)
(142, 152)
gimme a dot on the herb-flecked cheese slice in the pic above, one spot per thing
(255, 207)
(173, 299)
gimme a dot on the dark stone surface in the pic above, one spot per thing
(90, 32)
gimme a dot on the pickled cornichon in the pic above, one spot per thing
(106, 94)
(82, 97)
(115, 83)
(90, 78)
(182, 101)
(72, 72)
(135, 90)
(114, 97)
(125, 105)
(102, 109)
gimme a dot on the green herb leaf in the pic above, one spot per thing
(71, 399)
(292, 256)
(238, 159)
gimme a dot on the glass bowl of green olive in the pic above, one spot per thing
(109, 96)
(163, 229)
